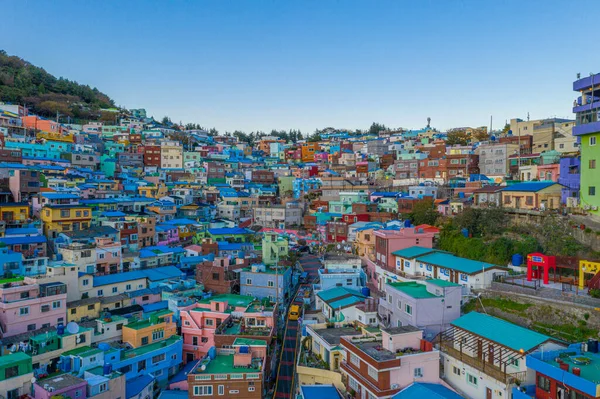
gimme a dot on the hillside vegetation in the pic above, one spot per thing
(24, 83)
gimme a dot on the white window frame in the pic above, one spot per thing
(354, 359)
(418, 372)
(221, 390)
(203, 390)
(373, 373)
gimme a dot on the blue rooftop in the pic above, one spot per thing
(420, 390)
(529, 186)
(38, 239)
(229, 230)
(320, 392)
(153, 307)
(136, 385)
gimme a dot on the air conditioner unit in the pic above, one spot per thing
(594, 208)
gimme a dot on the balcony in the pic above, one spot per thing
(487, 368)
(587, 128)
(523, 392)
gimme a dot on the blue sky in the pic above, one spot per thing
(258, 65)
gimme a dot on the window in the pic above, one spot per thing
(592, 164)
(270, 283)
(353, 383)
(56, 305)
(390, 300)
(355, 360)
(141, 365)
(119, 326)
(100, 256)
(471, 379)
(373, 373)
(103, 387)
(593, 140)
(543, 383)
(529, 200)
(85, 282)
(100, 292)
(128, 287)
(248, 281)
(11, 372)
(144, 340)
(90, 307)
(158, 358)
(204, 340)
(24, 311)
(215, 276)
(418, 372)
(194, 341)
(31, 327)
(591, 190)
(46, 308)
(408, 309)
(221, 389)
(455, 370)
(160, 334)
(78, 393)
(399, 304)
(209, 322)
(114, 290)
(203, 390)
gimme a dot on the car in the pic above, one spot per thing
(294, 312)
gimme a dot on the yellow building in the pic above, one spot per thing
(171, 155)
(107, 287)
(83, 309)
(61, 218)
(153, 191)
(365, 244)
(14, 212)
(56, 136)
(158, 326)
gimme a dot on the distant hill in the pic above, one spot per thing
(44, 94)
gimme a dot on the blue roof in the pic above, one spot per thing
(230, 246)
(529, 186)
(38, 239)
(157, 274)
(420, 390)
(153, 307)
(136, 385)
(112, 214)
(182, 374)
(320, 392)
(503, 332)
(229, 230)
(173, 395)
(59, 196)
(21, 230)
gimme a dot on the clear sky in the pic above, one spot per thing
(259, 65)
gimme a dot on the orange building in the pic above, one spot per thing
(309, 150)
(158, 326)
(46, 125)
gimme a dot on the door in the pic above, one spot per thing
(518, 202)
(189, 357)
(488, 393)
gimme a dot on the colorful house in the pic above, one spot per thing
(65, 218)
(155, 327)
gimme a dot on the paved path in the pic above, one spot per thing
(287, 362)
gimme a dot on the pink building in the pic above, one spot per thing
(108, 256)
(64, 385)
(381, 367)
(28, 306)
(168, 234)
(227, 314)
(548, 172)
(389, 241)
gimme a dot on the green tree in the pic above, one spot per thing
(423, 212)
(376, 128)
(457, 136)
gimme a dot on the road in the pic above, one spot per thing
(285, 374)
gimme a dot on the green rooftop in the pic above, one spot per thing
(151, 320)
(11, 280)
(413, 289)
(413, 252)
(223, 364)
(238, 301)
(442, 283)
(87, 350)
(503, 332)
(11, 358)
(250, 342)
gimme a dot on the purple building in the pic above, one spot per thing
(569, 179)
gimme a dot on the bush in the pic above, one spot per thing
(595, 293)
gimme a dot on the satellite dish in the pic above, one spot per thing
(33, 380)
(13, 348)
(339, 246)
(73, 328)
